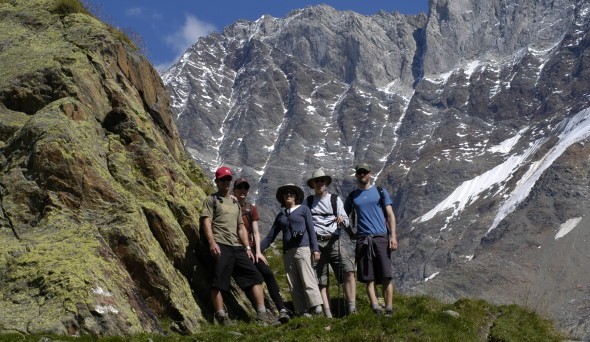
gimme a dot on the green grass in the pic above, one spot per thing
(416, 318)
(87, 7)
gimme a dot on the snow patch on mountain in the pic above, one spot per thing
(574, 130)
(567, 227)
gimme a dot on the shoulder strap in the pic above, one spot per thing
(333, 199)
(214, 198)
(382, 201)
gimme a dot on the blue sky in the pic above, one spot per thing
(169, 27)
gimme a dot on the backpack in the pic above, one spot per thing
(333, 199)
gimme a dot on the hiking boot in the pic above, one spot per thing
(388, 312)
(317, 311)
(352, 311)
(378, 311)
(266, 318)
(284, 316)
(224, 320)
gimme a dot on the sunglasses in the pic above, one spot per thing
(361, 172)
(320, 180)
(243, 187)
(225, 179)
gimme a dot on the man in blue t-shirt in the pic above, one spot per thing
(376, 238)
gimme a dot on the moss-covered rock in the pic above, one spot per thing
(98, 199)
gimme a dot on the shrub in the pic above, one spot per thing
(66, 7)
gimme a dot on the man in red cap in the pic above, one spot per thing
(228, 244)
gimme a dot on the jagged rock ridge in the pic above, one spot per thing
(98, 198)
(474, 116)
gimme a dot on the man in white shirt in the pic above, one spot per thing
(328, 215)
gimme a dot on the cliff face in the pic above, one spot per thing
(474, 116)
(98, 200)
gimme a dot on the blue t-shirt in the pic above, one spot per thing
(370, 219)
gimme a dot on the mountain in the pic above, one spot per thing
(99, 201)
(474, 116)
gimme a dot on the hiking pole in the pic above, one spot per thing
(339, 270)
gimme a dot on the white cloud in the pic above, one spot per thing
(190, 32)
(187, 35)
(143, 13)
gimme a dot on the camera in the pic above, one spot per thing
(298, 234)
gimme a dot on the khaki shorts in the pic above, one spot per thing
(341, 263)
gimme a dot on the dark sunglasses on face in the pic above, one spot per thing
(243, 187)
(225, 179)
(361, 172)
(320, 180)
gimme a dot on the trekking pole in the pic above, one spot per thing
(339, 271)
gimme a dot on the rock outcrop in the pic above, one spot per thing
(474, 116)
(98, 198)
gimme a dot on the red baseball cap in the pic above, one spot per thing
(223, 171)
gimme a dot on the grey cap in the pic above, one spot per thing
(364, 166)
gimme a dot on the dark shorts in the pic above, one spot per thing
(234, 261)
(373, 259)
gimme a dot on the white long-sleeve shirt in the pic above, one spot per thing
(324, 220)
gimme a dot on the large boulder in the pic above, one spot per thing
(98, 199)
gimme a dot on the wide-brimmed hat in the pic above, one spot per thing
(286, 187)
(319, 173)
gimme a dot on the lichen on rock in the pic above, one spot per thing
(99, 202)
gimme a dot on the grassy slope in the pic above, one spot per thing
(415, 319)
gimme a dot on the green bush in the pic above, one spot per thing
(66, 7)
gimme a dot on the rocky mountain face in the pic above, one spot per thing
(98, 199)
(474, 116)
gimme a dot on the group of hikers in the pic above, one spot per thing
(311, 231)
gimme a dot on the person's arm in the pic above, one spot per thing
(213, 247)
(256, 235)
(390, 221)
(391, 225)
(348, 209)
(313, 240)
(342, 216)
(207, 222)
(272, 234)
(243, 235)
